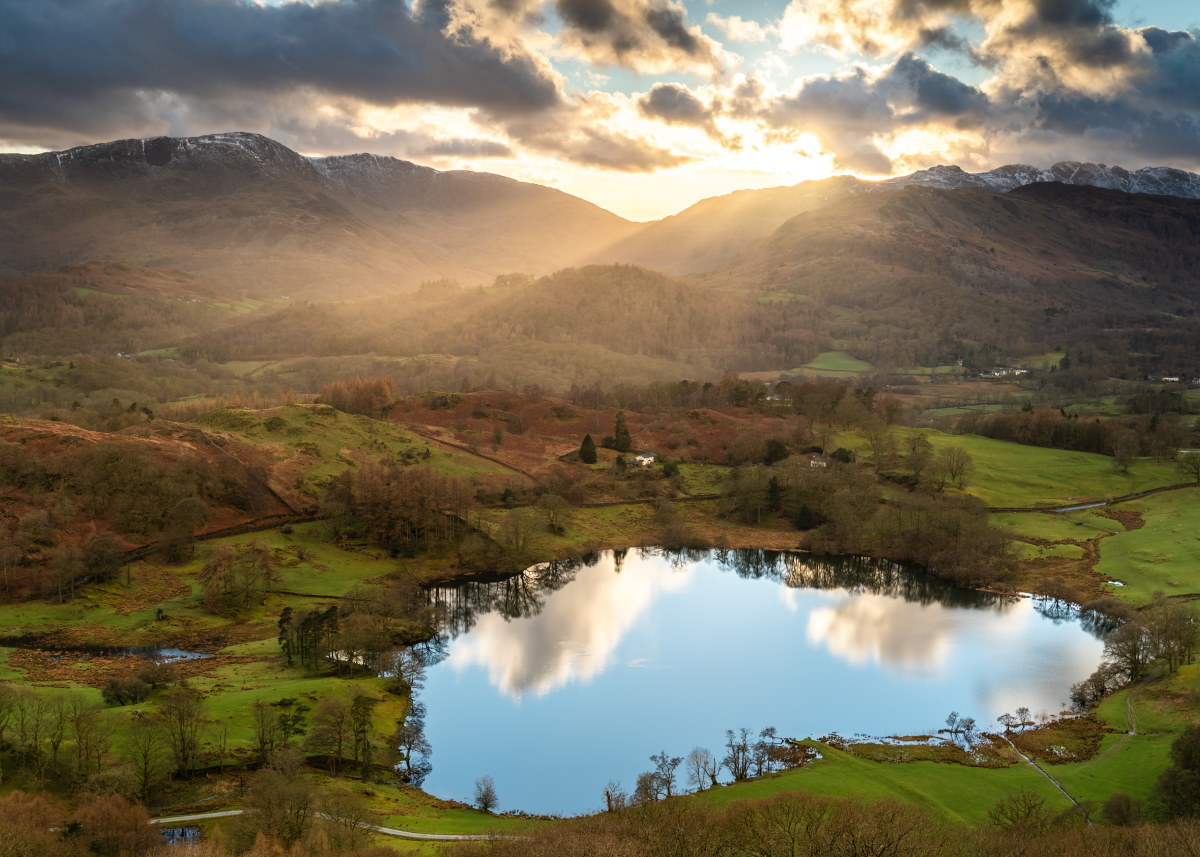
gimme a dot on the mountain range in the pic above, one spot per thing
(246, 212)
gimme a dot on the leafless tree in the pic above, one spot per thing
(665, 767)
(698, 765)
(737, 754)
(485, 794)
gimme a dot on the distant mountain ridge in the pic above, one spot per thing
(714, 232)
(250, 215)
(258, 217)
(1165, 181)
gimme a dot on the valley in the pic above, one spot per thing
(304, 415)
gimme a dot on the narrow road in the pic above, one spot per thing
(1043, 772)
(1125, 498)
(386, 831)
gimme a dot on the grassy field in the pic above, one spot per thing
(703, 478)
(319, 442)
(1027, 551)
(1013, 475)
(1132, 763)
(1082, 525)
(156, 602)
(1164, 554)
(954, 792)
(837, 361)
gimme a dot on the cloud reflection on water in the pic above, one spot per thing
(575, 635)
(865, 629)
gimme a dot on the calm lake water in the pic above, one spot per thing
(570, 675)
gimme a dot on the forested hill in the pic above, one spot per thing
(923, 275)
(600, 322)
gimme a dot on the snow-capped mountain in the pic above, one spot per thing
(1166, 181)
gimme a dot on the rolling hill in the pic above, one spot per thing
(250, 214)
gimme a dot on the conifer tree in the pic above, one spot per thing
(587, 450)
(622, 442)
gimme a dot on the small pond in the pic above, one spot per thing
(567, 676)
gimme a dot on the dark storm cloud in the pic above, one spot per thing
(1065, 79)
(69, 64)
(846, 111)
(1175, 80)
(1118, 128)
(843, 112)
(675, 104)
(637, 34)
(931, 94)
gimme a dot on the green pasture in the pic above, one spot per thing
(121, 613)
(1022, 550)
(703, 478)
(1083, 525)
(954, 792)
(837, 361)
(1163, 555)
(1012, 474)
(330, 441)
(1124, 763)
(1132, 763)
(1105, 406)
(958, 410)
(931, 370)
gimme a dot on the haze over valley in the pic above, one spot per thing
(599, 427)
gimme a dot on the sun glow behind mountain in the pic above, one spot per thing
(642, 106)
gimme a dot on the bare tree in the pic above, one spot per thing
(93, 734)
(331, 730)
(280, 802)
(958, 465)
(485, 794)
(345, 818)
(1125, 447)
(1130, 647)
(648, 789)
(737, 754)
(148, 751)
(664, 767)
(1189, 465)
(266, 729)
(698, 764)
(614, 796)
(410, 741)
(181, 713)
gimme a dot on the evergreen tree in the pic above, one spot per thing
(622, 442)
(587, 450)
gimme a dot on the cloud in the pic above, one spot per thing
(737, 29)
(1063, 80)
(591, 145)
(338, 135)
(855, 113)
(678, 105)
(576, 636)
(89, 67)
(643, 35)
(877, 629)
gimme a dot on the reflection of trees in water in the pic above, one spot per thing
(524, 594)
(520, 595)
(859, 574)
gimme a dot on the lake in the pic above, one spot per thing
(570, 675)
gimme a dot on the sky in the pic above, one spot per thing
(640, 106)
